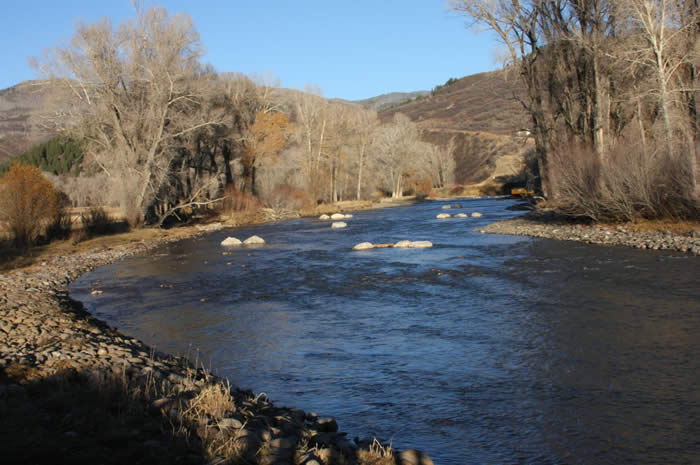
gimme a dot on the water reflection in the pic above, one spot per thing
(484, 349)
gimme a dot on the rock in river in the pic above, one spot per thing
(363, 246)
(442, 216)
(253, 240)
(339, 224)
(337, 216)
(231, 241)
(476, 215)
(324, 217)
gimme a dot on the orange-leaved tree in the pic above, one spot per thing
(28, 202)
(267, 137)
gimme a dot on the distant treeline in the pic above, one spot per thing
(58, 155)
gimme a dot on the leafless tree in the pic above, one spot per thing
(134, 89)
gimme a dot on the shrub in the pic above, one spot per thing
(237, 201)
(286, 197)
(61, 225)
(28, 203)
(630, 183)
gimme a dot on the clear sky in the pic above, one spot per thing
(350, 49)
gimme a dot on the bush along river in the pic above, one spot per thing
(482, 349)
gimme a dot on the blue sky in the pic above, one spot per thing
(350, 50)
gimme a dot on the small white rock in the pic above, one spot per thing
(476, 215)
(461, 215)
(338, 225)
(96, 292)
(420, 245)
(347, 215)
(442, 216)
(337, 216)
(254, 240)
(324, 217)
(363, 246)
(230, 241)
(446, 207)
(402, 245)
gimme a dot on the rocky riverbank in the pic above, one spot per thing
(550, 226)
(73, 388)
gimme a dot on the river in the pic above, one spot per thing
(482, 349)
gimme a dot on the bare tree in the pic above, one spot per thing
(399, 146)
(364, 125)
(663, 24)
(136, 96)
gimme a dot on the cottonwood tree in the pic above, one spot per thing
(668, 49)
(134, 90)
(364, 125)
(311, 118)
(398, 144)
(268, 136)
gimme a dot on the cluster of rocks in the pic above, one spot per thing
(541, 225)
(337, 216)
(234, 242)
(44, 332)
(443, 216)
(398, 245)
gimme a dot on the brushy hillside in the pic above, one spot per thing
(483, 113)
(386, 101)
(19, 129)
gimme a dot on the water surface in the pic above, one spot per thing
(483, 349)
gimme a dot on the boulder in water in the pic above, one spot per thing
(337, 216)
(476, 215)
(420, 245)
(442, 216)
(461, 215)
(324, 217)
(339, 224)
(363, 246)
(347, 215)
(254, 240)
(446, 207)
(231, 242)
(402, 245)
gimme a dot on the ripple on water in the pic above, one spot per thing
(483, 349)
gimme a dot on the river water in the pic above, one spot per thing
(483, 349)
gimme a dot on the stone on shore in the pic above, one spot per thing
(210, 227)
(347, 216)
(363, 246)
(231, 242)
(324, 217)
(443, 216)
(254, 240)
(339, 225)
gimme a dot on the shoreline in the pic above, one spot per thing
(546, 225)
(52, 348)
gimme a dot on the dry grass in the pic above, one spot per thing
(376, 455)
(69, 247)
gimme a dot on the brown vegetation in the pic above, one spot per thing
(29, 204)
(598, 75)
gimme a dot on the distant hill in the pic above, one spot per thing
(385, 101)
(483, 113)
(19, 131)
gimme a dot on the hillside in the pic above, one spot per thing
(19, 131)
(483, 113)
(386, 101)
